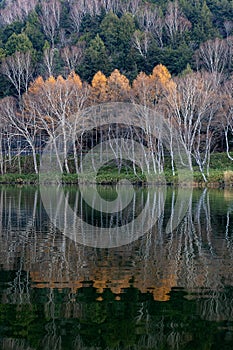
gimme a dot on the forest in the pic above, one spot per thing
(59, 58)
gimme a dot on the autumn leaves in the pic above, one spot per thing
(197, 109)
(146, 89)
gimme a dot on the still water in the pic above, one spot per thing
(165, 289)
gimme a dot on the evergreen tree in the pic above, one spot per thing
(18, 43)
(34, 32)
(96, 58)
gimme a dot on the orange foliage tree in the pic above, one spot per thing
(118, 87)
(149, 90)
(58, 102)
(99, 88)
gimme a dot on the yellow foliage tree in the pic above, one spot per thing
(118, 87)
(57, 96)
(161, 82)
(36, 85)
(161, 73)
(60, 80)
(141, 89)
(150, 89)
(99, 87)
(57, 102)
(75, 79)
(51, 80)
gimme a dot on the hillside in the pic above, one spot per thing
(129, 35)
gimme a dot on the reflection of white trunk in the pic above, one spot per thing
(1, 154)
(190, 256)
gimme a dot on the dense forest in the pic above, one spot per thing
(129, 35)
(173, 56)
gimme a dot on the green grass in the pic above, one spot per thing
(19, 179)
(221, 161)
(109, 174)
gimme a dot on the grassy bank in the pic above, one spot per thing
(221, 174)
(216, 178)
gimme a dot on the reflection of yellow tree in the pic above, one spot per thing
(110, 275)
(186, 258)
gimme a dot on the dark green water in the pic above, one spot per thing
(164, 290)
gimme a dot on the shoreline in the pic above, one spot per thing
(220, 175)
(111, 180)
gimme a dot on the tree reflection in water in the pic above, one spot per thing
(57, 294)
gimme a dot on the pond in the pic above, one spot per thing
(160, 289)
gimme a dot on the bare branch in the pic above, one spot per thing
(50, 18)
(18, 69)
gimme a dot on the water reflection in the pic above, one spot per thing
(58, 294)
(104, 223)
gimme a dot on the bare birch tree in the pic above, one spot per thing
(72, 56)
(227, 113)
(18, 69)
(81, 8)
(175, 21)
(213, 55)
(16, 10)
(57, 104)
(141, 42)
(151, 21)
(192, 106)
(50, 18)
(130, 6)
(49, 60)
(23, 125)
